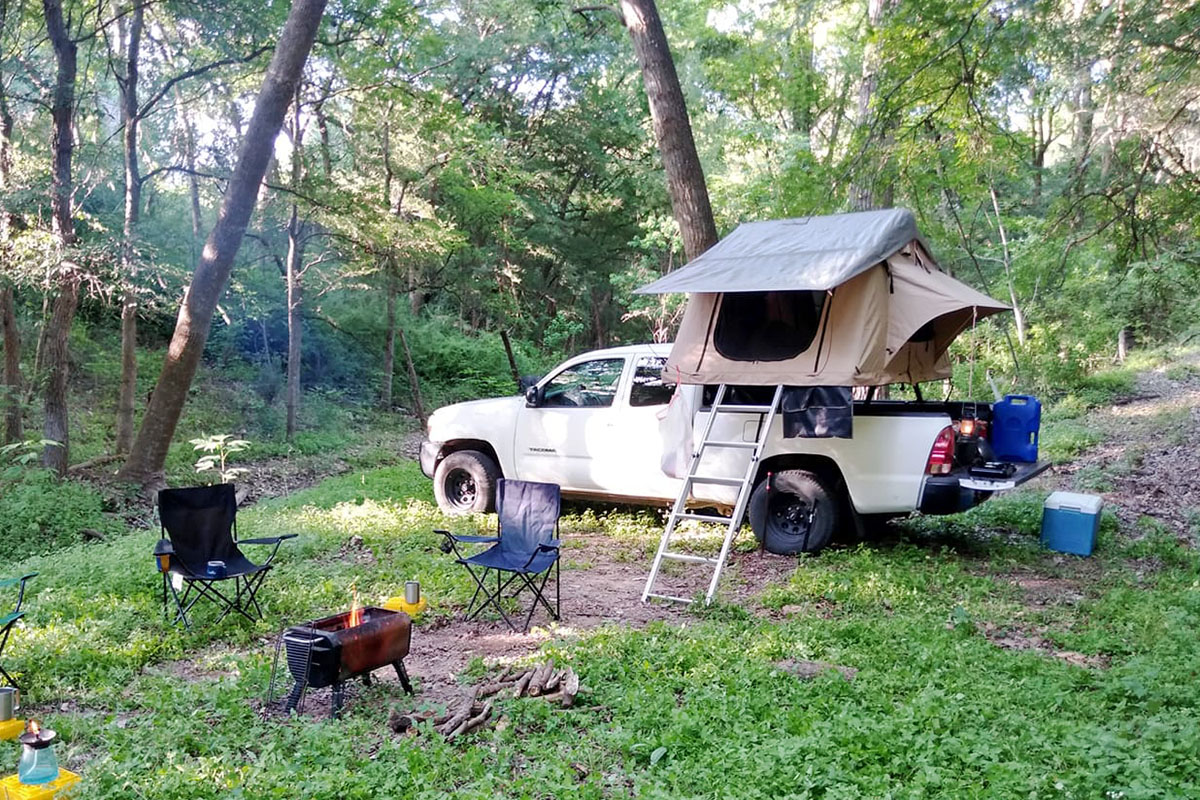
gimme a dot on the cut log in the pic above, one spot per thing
(462, 714)
(489, 689)
(553, 681)
(471, 723)
(570, 688)
(537, 683)
(504, 674)
(522, 684)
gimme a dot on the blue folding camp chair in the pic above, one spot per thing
(525, 547)
(10, 619)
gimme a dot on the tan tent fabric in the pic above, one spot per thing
(921, 296)
(849, 348)
(891, 322)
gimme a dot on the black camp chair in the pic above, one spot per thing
(526, 546)
(200, 531)
(10, 619)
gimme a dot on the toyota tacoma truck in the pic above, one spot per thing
(592, 426)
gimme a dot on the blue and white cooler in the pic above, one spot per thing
(1070, 522)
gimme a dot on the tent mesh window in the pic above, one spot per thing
(767, 326)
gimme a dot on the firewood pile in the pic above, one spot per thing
(474, 709)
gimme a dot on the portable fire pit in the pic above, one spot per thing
(331, 651)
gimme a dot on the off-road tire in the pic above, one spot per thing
(464, 482)
(798, 514)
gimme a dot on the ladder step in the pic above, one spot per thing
(741, 445)
(742, 409)
(689, 558)
(670, 597)
(716, 480)
(703, 517)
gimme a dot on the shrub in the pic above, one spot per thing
(39, 513)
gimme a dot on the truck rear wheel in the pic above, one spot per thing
(465, 483)
(795, 513)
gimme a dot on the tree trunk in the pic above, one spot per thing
(295, 291)
(672, 130)
(389, 349)
(133, 201)
(418, 406)
(13, 429)
(10, 390)
(149, 452)
(189, 156)
(295, 275)
(1018, 316)
(54, 338)
(866, 192)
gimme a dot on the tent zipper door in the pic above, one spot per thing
(733, 522)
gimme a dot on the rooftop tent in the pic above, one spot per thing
(842, 300)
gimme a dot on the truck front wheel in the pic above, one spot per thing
(793, 511)
(465, 482)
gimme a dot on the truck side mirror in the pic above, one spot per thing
(533, 397)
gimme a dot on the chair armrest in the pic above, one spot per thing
(553, 544)
(15, 581)
(269, 539)
(468, 539)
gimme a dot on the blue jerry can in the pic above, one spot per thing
(1016, 421)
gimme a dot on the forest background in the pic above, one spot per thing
(450, 171)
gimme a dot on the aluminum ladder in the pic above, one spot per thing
(745, 485)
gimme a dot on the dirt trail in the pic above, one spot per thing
(1146, 466)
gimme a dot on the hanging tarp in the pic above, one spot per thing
(845, 300)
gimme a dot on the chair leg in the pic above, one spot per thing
(538, 597)
(11, 681)
(494, 599)
(3, 641)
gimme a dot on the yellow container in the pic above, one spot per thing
(61, 787)
(398, 603)
(11, 728)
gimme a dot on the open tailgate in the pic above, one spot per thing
(1023, 473)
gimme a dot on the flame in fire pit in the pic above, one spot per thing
(33, 727)
(356, 612)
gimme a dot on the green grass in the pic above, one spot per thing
(699, 710)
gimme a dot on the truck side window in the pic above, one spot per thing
(648, 388)
(592, 384)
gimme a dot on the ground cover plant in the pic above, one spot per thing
(969, 679)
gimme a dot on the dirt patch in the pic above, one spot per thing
(1037, 590)
(1034, 641)
(1146, 465)
(807, 670)
(210, 665)
(355, 551)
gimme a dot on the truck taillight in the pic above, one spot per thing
(941, 457)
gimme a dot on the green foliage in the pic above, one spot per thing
(219, 448)
(40, 513)
(145, 708)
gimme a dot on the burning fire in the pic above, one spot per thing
(33, 727)
(356, 612)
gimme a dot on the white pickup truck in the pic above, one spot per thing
(591, 425)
